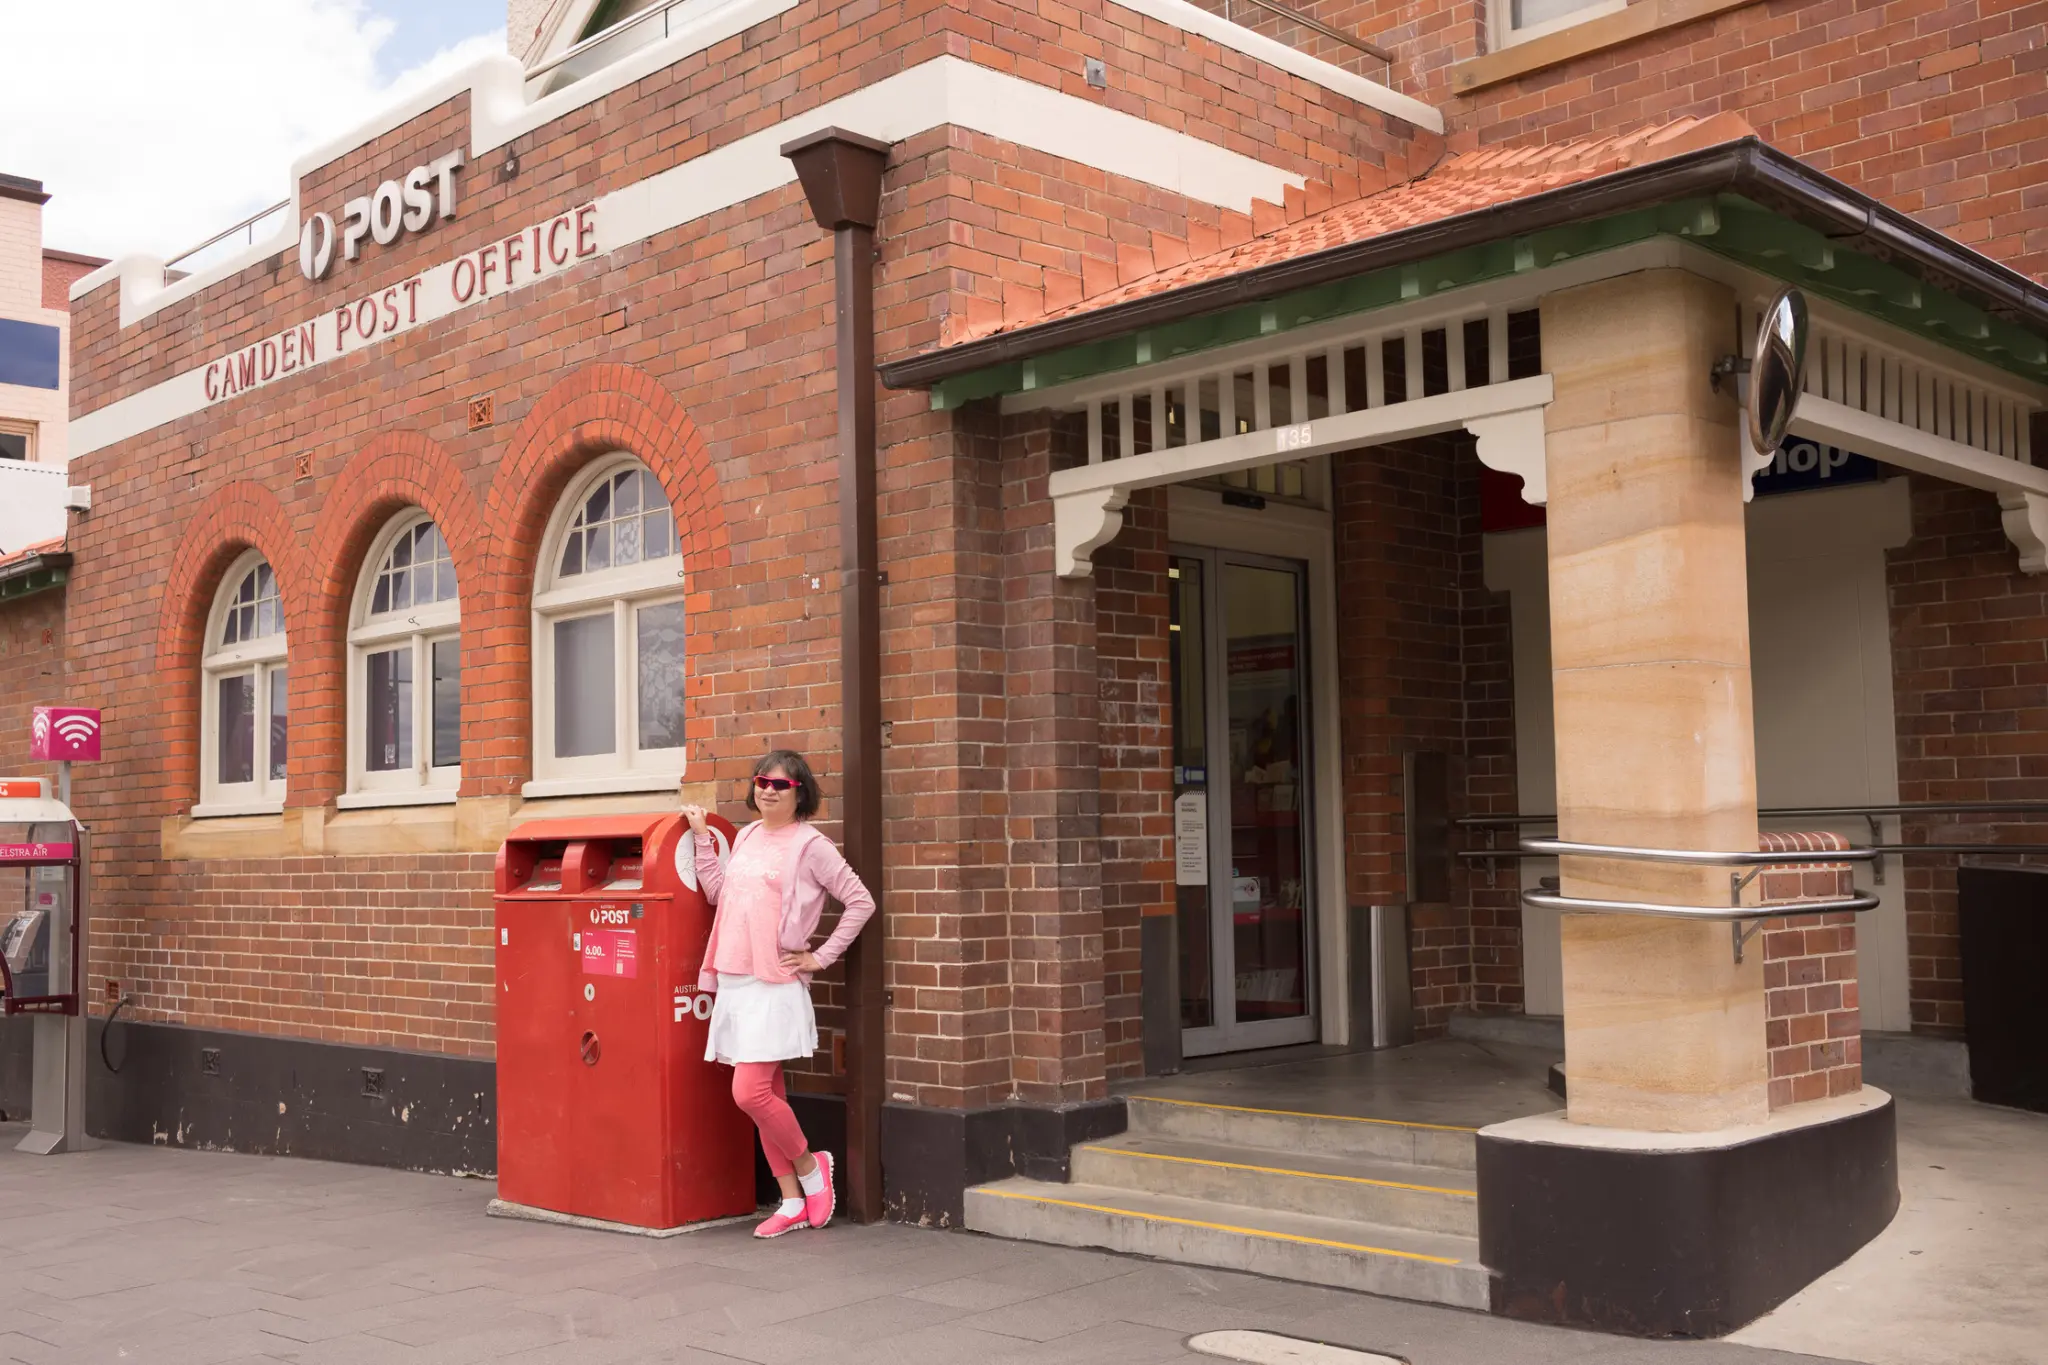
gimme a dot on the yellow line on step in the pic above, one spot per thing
(1298, 1114)
(1219, 1227)
(1281, 1170)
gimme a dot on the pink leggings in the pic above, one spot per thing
(758, 1090)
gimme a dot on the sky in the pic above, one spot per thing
(153, 124)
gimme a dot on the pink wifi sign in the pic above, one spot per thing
(65, 734)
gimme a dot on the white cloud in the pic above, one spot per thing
(155, 123)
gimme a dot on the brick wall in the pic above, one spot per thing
(1424, 663)
(1132, 651)
(1937, 111)
(1970, 684)
(21, 259)
(1813, 1026)
(707, 353)
(61, 270)
(32, 674)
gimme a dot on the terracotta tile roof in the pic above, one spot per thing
(1321, 216)
(41, 547)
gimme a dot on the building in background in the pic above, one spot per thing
(35, 352)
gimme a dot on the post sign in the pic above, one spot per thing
(425, 193)
(64, 734)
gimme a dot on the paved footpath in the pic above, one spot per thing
(163, 1257)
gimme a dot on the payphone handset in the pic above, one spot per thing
(42, 844)
(25, 943)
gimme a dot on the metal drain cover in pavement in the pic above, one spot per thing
(1270, 1348)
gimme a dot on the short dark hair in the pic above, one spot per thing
(793, 766)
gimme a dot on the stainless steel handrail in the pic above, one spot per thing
(225, 233)
(1800, 812)
(1871, 815)
(1370, 49)
(578, 48)
(1733, 914)
(1516, 855)
(1580, 904)
(1556, 848)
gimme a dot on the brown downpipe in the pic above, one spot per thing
(841, 173)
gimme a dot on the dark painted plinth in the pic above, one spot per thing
(931, 1156)
(17, 1065)
(244, 1092)
(1680, 1243)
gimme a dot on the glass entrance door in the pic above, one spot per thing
(1243, 856)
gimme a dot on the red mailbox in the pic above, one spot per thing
(606, 1106)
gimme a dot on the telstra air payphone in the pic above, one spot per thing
(42, 953)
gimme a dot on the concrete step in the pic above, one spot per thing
(1402, 1263)
(1353, 1189)
(1231, 1125)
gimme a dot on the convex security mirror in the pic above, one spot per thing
(1777, 375)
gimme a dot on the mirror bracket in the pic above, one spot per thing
(1726, 367)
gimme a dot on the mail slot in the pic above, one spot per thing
(606, 1107)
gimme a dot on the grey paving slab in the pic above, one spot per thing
(1961, 1275)
(175, 1257)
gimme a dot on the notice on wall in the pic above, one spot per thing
(1191, 839)
(610, 952)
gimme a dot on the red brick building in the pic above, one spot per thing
(1217, 364)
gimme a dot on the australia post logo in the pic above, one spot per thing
(402, 204)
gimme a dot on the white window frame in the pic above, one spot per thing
(418, 628)
(263, 658)
(625, 591)
(27, 430)
(1505, 34)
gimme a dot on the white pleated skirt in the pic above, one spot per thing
(759, 1021)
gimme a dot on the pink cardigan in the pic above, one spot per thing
(815, 871)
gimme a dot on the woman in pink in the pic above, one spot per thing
(759, 962)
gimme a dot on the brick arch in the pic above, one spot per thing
(240, 517)
(599, 409)
(395, 471)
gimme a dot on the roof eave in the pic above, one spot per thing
(27, 566)
(1748, 167)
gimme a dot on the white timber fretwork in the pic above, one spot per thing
(1911, 405)
(1319, 392)
(1440, 364)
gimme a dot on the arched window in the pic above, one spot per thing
(243, 691)
(608, 638)
(405, 670)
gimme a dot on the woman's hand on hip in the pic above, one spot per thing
(695, 815)
(801, 962)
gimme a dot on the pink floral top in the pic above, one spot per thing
(750, 906)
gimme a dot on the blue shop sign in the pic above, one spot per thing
(1801, 465)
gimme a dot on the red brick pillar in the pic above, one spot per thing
(1053, 730)
(1132, 648)
(1813, 1026)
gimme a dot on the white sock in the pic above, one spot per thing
(814, 1183)
(791, 1208)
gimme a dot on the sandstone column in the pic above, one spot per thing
(1650, 660)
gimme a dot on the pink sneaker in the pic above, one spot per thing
(779, 1222)
(819, 1207)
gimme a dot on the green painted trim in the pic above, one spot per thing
(1728, 225)
(42, 578)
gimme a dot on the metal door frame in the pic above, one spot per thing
(1232, 1035)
